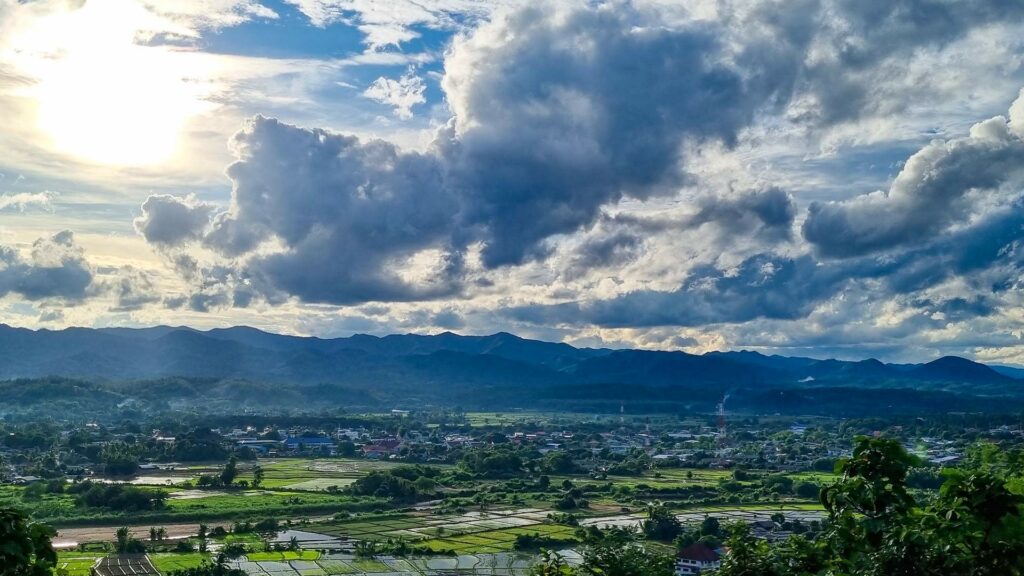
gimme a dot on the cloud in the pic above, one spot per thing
(132, 290)
(402, 94)
(24, 200)
(352, 216)
(842, 59)
(552, 121)
(170, 221)
(554, 118)
(988, 254)
(763, 286)
(935, 190)
(766, 213)
(55, 268)
(579, 140)
(613, 248)
(391, 23)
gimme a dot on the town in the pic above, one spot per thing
(434, 491)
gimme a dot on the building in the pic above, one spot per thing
(310, 443)
(697, 558)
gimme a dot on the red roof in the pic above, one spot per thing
(699, 552)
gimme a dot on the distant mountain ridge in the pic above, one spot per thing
(448, 365)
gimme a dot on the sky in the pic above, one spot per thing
(825, 178)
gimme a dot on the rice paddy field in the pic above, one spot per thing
(314, 474)
(416, 527)
(501, 564)
(77, 563)
(168, 562)
(493, 541)
(474, 542)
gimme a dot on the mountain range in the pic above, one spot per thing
(499, 369)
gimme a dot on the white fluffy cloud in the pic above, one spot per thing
(942, 185)
(25, 200)
(401, 94)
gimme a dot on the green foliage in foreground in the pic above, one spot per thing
(25, 547)
(877, 528)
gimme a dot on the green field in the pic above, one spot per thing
(497, 540)
(314, 474)
(167, 562)
(254, 501)
(77, 563)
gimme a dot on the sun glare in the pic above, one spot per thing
(100, 96)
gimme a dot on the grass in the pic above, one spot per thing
(77, 563)
(256, 501)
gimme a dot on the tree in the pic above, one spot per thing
(550, 564)
(126, 544)
(257, 476)
(123, 535)
(230, 472)
(203, 534)
(660, 524)
(625, 560)
(876, 528)
(26, 547)
(710, 527)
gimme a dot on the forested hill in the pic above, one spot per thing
(499, 367)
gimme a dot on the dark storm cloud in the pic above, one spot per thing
(764, 286)
(958, 308)
(556, 117)
(168, 220)
(929, 195)
(56, 268)
(766, 213)
(347, 212)
(615, 248)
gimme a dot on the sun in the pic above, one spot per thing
(104, 98)
(112, 115)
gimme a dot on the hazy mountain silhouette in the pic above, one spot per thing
(446, 363)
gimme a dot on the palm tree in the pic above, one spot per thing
(123, 535)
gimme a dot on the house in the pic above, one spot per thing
(382, 448)
(697, 558)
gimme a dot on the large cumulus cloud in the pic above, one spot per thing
(558, 114)
(351, 215)
(55, 268)
(935, 190)
(562, 113)
(955, 213)
(169, 221)
(553, 119)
